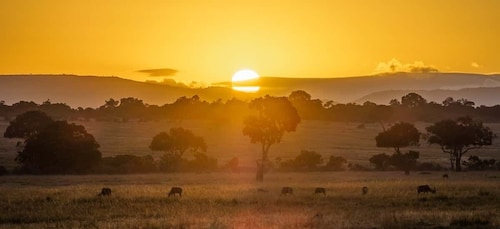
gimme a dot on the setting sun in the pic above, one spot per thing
(242, 80)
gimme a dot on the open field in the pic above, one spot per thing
(225, 141)
(224, 200)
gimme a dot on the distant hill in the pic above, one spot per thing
(92, 91)
(351, 89)
(481, 96)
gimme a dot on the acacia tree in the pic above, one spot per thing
(400, 135)
(457, 137)
(176, 143)
(275, 116)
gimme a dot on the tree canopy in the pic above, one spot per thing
(457, 137)
(60, 148)
(177, 142)
(27, 124)
(401, 134)
(275, 116)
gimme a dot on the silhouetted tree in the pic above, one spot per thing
(60, 148)
(233, 164)
(475, 163)
(381, 161)
(307, 108)
(202, 163)
(336, 163)
(27, 124)
(413, 100)
(405, 161)
(308, 160)
(457, 137)
(275, 116)
(175, 143)
(399, 135)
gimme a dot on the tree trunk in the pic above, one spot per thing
(260, 172)
(261, 167)
(457, 163)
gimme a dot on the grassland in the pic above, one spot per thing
(225, 141)
(225, 200)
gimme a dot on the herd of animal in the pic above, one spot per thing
(284, 191)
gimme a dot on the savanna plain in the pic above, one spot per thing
(236, 200)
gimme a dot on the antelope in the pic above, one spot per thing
(364, 190)
(425, 189)
(445, 176)
(320, 190)
(175, 190)
(105, 192)
(286, 190)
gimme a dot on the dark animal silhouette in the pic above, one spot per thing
(286, 191)
(425, 189)
(175, 190)
(105, 192)
(364, 190)
(320, 190)
(445, 176)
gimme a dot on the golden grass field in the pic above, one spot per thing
(231, 200)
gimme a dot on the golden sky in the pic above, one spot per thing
(207, 41)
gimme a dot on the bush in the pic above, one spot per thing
(127, 164)
(3, 171)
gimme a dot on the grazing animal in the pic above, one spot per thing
(286, 191)
(425, 189)
(364, 190)
(105, 192)
(320, 190)
(445, 176)
(175, 190)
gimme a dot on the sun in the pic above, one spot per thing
(244, 80)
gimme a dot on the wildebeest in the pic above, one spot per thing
(105, 192)
(445, 176)
(425, 189)
(175, 190)
(364, 190)
(320, 190)
(286, 191)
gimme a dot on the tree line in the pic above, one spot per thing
(51, 146)
(410, 108)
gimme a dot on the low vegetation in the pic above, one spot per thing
(223, 200)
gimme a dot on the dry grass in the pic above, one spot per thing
(221, 200)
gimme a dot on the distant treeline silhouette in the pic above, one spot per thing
(411, 107)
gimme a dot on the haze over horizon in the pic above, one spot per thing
(208, 41)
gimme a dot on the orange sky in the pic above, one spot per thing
(207, 41)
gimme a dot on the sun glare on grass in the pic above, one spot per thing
(242, 81)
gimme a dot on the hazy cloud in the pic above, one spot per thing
(394, 65)
(475, 65)
(160, 72)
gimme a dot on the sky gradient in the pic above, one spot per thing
(207, 41)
